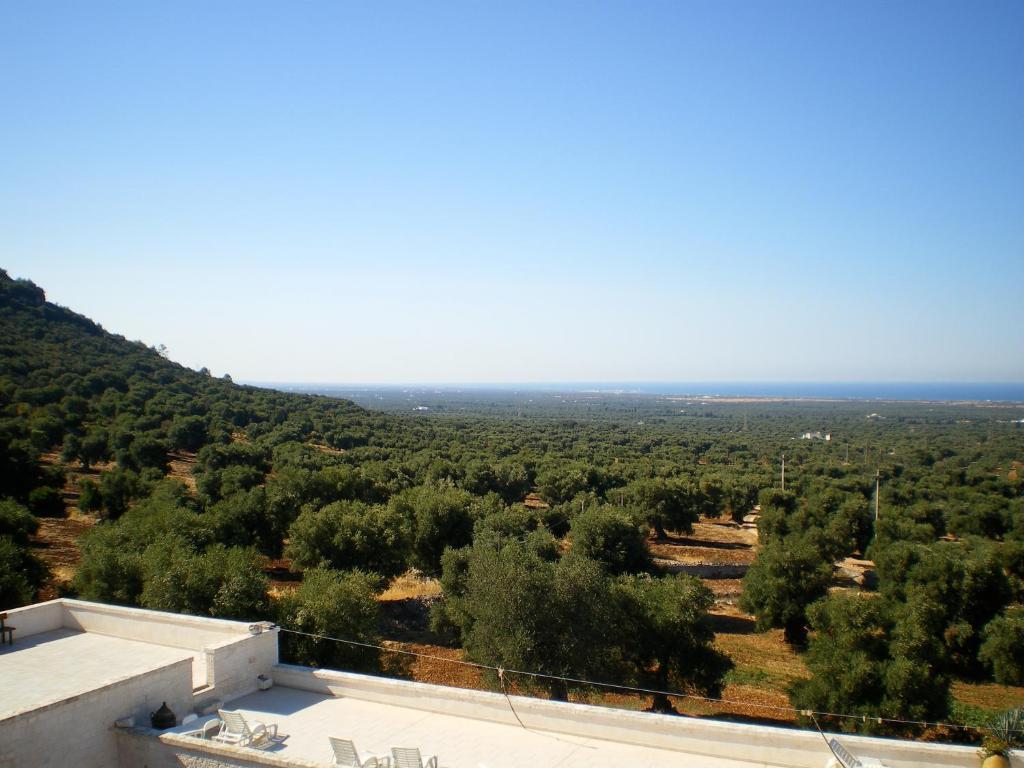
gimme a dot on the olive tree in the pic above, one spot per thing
(332, 604)
(350, 534)
(786, 577)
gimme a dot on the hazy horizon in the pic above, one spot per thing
(545, 191)
(948, 391)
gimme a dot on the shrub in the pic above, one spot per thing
(21, 573)
(16, 522)
(89, 497)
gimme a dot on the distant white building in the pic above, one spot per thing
(826, 436)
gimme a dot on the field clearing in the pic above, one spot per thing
(990, 697)
(716, 542)
(411, 584)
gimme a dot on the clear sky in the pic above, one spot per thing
(487, 192)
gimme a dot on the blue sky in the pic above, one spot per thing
(481, 192)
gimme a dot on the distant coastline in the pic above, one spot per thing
(980, 392)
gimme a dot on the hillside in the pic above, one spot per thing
(64, 372)
(76, 399)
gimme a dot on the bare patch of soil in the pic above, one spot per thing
(763, 659)
(180, 464)
(988, 696)
(711, 543)
(438, 665)
(534, 501)
(56, 544)
(725, 589)
(327, 449)
(405, 608)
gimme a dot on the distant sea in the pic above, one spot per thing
(934, 391)
(980, 391)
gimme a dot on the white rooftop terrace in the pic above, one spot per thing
(305, 720)
(478, 729)
(77, 668)
(62, 664)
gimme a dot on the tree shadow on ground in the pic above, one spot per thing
(731, 625)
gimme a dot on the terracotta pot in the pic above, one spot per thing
(995, 761)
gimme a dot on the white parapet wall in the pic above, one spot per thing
(158, 627)
(766, 745)
(36, 619)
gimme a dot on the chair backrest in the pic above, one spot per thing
(345, 752)
(234, 722)
(407, 757)
(844, 756)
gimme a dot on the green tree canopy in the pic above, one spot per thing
(333, 604)
(518, 610)
(786, 577)
(1003, 647)
(671, 643)
(870, 657)
(611, 536)
(219, 581)
(350, 535)
(440, 516)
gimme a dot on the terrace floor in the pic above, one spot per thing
(54, 666)
(305, 720)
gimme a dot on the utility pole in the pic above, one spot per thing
(877, 481)
(783, 471)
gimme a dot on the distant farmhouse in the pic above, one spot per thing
(826, 436)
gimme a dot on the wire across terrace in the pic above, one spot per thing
(503, 680)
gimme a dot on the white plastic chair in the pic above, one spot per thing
(345, 755)
(410, 757)
(235, 729)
